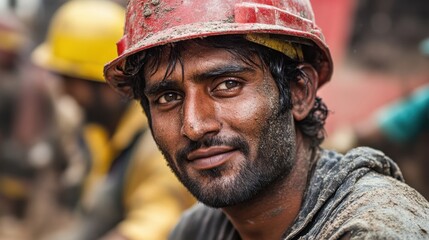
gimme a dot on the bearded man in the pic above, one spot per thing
(231, 98)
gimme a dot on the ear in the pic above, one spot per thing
(303, 91)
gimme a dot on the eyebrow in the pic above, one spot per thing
(223, 70)
(167, 84)
(160, 86)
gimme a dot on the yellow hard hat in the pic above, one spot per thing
(81, 38)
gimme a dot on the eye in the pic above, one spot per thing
(169, 97)
(227, 85)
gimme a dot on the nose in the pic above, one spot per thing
(199, 117)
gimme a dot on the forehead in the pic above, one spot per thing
(193, 52)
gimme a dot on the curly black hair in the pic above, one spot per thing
(283, 69)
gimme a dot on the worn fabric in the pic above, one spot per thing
(361, 195)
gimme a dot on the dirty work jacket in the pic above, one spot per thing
(361, 195)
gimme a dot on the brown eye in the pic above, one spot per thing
(169, 97)
(226, 85)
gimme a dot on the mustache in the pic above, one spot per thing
(233, 142)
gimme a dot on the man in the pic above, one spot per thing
(229, 88)
(128, 192)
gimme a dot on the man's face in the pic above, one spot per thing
(217, 122)
(97, 99)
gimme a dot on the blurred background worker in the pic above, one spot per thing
(127, 192)
(13, 168)
(30, 156)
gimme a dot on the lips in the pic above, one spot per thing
(207, 158)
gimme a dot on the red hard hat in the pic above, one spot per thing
(151, 23)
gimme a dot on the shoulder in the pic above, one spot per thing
(202, 222)
(380, 206)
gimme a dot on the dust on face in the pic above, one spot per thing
(235, 106)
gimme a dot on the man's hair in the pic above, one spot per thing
(283, 69)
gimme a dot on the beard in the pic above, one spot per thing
(274, 161)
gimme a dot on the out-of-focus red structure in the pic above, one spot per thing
(353, 94)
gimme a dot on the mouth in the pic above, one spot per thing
(212, 157)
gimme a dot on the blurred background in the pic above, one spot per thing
(381, 64)
(380, 58)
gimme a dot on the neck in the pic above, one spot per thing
(269, 215)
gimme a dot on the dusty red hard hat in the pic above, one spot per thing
(151, 23)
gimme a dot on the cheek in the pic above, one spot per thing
(81, 92)
(165, 130)
(249, 113)
(258, 105)
(252, 114)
